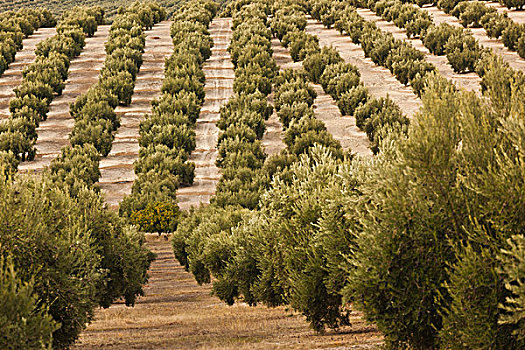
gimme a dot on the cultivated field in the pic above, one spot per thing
(324, 174)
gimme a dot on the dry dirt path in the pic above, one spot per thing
(12, 77)
(273, 137)
(116, 170)
(53, 133)
(469, 81)
(511, 57)
(218, 70)
(177, 313)
(379, 81)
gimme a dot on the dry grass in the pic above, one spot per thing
(177, 313)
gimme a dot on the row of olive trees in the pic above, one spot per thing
(65, 255)
(76, 253)
(338, 79)
(42, 81)
(405, 62)
(14, 26)
(426, 239)
(167, 136)
(460, 47)
(240, 152)
(241, 155)
(207, 242)
(94, 111)
(496, 24)
(446, 39)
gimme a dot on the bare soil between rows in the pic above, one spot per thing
(177, 313)
(117, 170)
(219, 74)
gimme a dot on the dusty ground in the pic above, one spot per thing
(53, 133)
(468, 81)
(12, 77)
(218, 70)
(272, 138)
(117, 174)
(480, 34)
(177, 313)
(379, 81)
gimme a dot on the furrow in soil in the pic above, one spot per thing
(218, 70)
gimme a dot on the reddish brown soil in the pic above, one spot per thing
(218, 70)
(177, 313)
(12, 77)
(54, 132)
(117, 174)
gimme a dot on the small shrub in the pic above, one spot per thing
(352, 99)
(463, 52)
(157, 217)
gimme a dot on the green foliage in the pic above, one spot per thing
(74, 244)
(350, 23)
(495, 23)
(463, 52)
(15, 141)
(406, 16)
(14, 25)
(8, 163)
(167, 136)
(76, 167)
(518, 4)
(316, 63)
(476, 291)
(512, 264)
(511, 35)
(352, 99)
(378, 115)
(339, 78)
(41, 81)
(471, 15)
(436, 38)
(447, 5)
(397, 248)
(24, 323)
(157, 217)
(56, 252)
